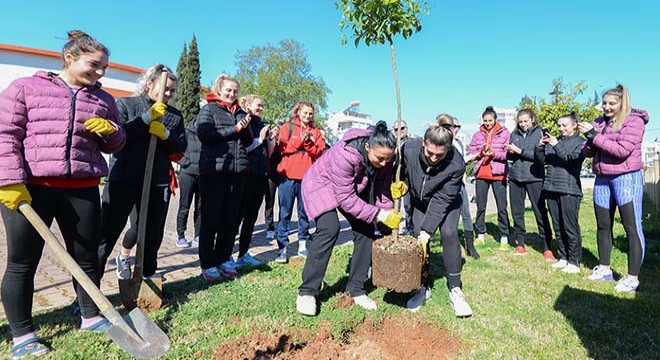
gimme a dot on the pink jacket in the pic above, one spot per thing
(498, 145)
(618, 152)
(337, 177)
(42, 132)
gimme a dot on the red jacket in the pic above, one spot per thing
(298, 155)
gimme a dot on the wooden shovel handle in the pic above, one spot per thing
(146, 190)
(97, 296)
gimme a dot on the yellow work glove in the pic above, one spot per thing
(14, 194)
(423, 241)
(391, 218)
(156, 111)
(398, 189)
(100, 126)
(158, 129)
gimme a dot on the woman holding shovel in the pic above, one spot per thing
(434, 173)
(141, 116)
(50, 156)
(353, 178)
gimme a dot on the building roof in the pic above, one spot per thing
(55, 54)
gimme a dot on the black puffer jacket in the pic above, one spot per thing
(190, 161)
(435, 190)
(223, 148)
(259, 155)
(128, 164)
(524, 167)
(564, 162)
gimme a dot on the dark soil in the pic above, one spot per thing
(392, 339)
(397, 264)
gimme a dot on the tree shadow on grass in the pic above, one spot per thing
(614, 327)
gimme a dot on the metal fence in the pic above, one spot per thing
(652, 182)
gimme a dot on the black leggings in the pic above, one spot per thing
(78, 215)
(119, 199)
(221, 195)
(451, 246)
(253, 195)
(499, 191)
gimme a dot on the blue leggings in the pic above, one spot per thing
(626, 192)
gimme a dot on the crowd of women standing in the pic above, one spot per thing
(53, 128)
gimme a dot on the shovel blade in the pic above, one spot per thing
(150, 297)
(139, 336)
(128, 292)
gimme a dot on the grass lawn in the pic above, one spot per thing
(522, 308)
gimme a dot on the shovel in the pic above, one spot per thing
(135, 333)
(144, 293)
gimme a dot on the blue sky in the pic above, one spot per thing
(469, 54)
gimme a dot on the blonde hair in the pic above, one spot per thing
(217, 84)
(621, 92)
(245, 101)
(151, 76)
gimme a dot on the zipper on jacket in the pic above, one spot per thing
(69, 136)
(426, 176)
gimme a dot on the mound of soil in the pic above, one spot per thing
(392, 339)
(397, 264)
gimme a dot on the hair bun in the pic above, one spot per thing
(381, 126)
(74, 34)
(489, 108)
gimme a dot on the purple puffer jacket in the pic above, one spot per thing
(337, 177)
(618, 152)
(498, 145)
(40, 137)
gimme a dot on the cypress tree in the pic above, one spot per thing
(190, 106)
(181, 75)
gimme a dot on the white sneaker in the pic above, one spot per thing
(419, 298)
(306, 305)
(281, 257)
(365, 302)
(571, 269)
(627, 284)
(481, 239)
(458, 303)
(270, 234)
(559, 264)
(601, 273)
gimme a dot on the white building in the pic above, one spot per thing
(19, 61)
(650, 151)
(339, 122)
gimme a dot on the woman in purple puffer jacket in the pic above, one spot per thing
(614, 140)
(353, 177)
(53, 128)
(489, 148)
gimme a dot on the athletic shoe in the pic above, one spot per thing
(627, 284)
(571, 269)
(270, 234)
(123, 268)
(247, 260)
(306, 305)
(504, 243)
(419, 298)
(281, 257)
(481, 239)
(520, 250)
(601, 273)
(365, 302)
(548, 256)
(458, 303)
(303, 253)
(196, 240)
(227, 270)
(183, 243)
(560, 264)
(211, 274)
